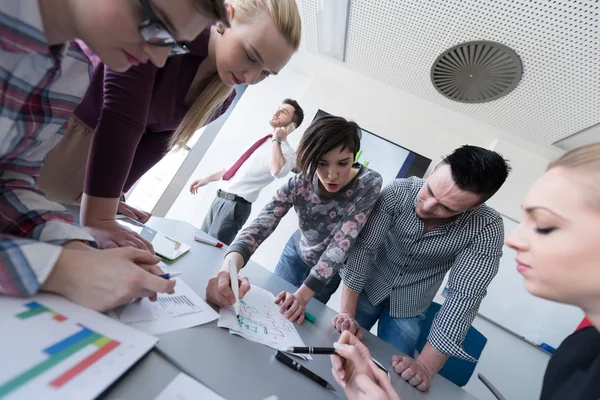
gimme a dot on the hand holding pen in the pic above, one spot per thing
(219, 291)
(354, 370)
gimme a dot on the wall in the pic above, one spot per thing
(513, 365)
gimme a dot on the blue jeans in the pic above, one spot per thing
(294, 270)
(400, 332)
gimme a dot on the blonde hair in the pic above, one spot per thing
(584, 159)
(286, 16)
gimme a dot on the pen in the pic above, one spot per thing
(288, 361)
(170, 275)
(208, 241)
(311, 350)
(235, 287)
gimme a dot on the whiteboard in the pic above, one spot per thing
(510, 305)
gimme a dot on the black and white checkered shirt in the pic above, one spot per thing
(395, 258)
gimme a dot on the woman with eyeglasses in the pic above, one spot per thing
(129, 121)
(558, 255)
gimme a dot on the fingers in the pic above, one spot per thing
(301, 317)
(127, 212)
(286, 303)
(337, 378)
(244, 286)
(224, 287)
(298, 313)
(156, 284)
(348, 338)
(280, 297)
(141, 257)
(415, 380)
(292, 308)
(359, 333)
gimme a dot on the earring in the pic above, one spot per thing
(220, 28)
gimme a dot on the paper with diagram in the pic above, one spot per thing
(260, 321)
(170, 312)
(184, 387)
(54, 349)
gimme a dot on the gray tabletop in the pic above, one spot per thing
(236, 368)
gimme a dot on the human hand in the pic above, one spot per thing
(219, 292)
(412, 371)
(280, 132)
(354, 370)
(104, 279)
(379, 388)
(133, 212)
(197, 184)
(292, 306)
(345, 322)
(110, 234)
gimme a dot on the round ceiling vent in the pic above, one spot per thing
(476, 72)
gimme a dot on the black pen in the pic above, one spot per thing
(311, 350)
(288, 361)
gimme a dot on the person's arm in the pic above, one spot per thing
(471, 274)
(279, 163)
(249, 239)
(198, 183)
(114, 143)
(218, 290)
(357, 268)
(28, 219)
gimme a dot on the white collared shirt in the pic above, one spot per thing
(255, 173)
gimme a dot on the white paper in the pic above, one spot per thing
(52, 349)
(260, 321)
(183, 387)
(170, 312)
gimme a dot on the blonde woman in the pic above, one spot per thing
(558, 254)
(130, 120)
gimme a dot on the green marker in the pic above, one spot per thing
(366, 163)
(310, 317)
(358, 154)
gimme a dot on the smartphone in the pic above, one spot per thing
(165, 247)
(291, 128)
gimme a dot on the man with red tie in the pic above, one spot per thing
(270, 157)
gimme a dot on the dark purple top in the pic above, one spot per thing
(133, 115)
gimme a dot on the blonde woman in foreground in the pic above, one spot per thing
(558, 254)
(129, 121)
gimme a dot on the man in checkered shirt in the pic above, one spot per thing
(418, 231)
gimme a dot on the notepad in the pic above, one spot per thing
(260, 321)
(170, 312)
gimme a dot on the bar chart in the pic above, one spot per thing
(67, 354)
(60, 351)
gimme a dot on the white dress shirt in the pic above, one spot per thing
(255, 173)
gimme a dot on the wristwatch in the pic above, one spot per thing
(276, 139)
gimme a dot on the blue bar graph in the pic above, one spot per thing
(65, 343)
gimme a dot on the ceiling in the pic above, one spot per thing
(558, 41)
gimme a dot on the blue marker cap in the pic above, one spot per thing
(548, 348)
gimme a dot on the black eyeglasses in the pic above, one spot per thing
(154, 32)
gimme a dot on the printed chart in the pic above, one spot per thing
(181, 310)
(260, 321)
(56, 349)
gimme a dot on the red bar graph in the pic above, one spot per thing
(83, 365)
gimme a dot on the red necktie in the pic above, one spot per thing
(231, 172)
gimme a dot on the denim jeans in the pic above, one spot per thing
(400, 332)
(294, 270)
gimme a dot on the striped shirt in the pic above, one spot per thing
(40, 87)
(395, 258)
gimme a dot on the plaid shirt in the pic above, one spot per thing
(395, 258)
(40, 87)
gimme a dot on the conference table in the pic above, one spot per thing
(236, 368)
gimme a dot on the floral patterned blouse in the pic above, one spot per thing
(328, 226)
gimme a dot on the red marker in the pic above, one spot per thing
(208, 241)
